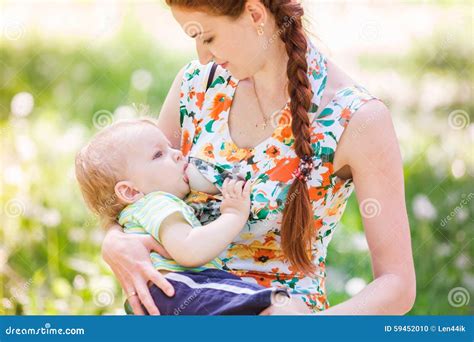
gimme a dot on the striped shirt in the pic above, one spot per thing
(145, 217)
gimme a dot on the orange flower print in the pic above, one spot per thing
(273, 151)
(282, 172)
(186, 143)
(284, 135)
(200, 99)
(263, 255)
(316, 193)
(326, 175)
(220, 104)
(232, 153)
(209, 150)
(317, 137)
(345, 116)
(197, 126)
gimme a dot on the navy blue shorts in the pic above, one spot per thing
(212, 292)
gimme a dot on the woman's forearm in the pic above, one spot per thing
(388, 294)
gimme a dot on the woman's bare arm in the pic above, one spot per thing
(374, 157)
(377, 171)
(168, 120)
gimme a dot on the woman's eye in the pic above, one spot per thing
(208, 41)
(158, 155)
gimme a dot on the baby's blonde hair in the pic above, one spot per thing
(101, 164)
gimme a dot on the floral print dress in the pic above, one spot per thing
(255, 254)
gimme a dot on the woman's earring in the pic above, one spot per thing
(260, 30)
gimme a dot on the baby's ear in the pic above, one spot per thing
(127, 193)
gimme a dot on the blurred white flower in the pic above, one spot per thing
(458, 168)
(83, 266)
(25, 147)
(72, 139)
(77, 235)
(423, 208)
(125, 112)
(462, 262)
(142, 79)
(22, 104)
(462, 214)
(359, 242)
(13, 175)
(79, 282)
(50, 217)
(443, 249)
(354, 286)
(62, 306)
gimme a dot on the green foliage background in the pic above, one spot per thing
(50, 260)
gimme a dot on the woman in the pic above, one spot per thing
(284, 130)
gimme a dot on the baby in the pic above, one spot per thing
(130, 173)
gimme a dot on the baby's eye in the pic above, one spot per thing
(158, 155)
(208, 41)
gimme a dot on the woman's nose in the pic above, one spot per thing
(204, 55)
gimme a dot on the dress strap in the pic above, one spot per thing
(211, 75)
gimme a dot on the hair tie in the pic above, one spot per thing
(303, 172)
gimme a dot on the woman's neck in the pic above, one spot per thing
(271, 79)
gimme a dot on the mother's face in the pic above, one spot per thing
(234, 43)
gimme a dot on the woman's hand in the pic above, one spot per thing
(283, 305)
(128, 255)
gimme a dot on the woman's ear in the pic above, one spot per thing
(127, 193)
(257, 11)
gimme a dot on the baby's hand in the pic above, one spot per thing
(236, 195)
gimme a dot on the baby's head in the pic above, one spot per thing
(126, 161)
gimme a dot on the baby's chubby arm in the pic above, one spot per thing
(193, 247)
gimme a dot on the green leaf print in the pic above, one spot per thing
(326, 123)
(325, 112)
(191, 76)
(314, 108)
(260, 198)
(183, 112)
(327, 154)
(209, 126)
(218, 80)
(323, 85)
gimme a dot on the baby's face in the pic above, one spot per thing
(153, 165)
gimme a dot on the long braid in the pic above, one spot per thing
(297, 231)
